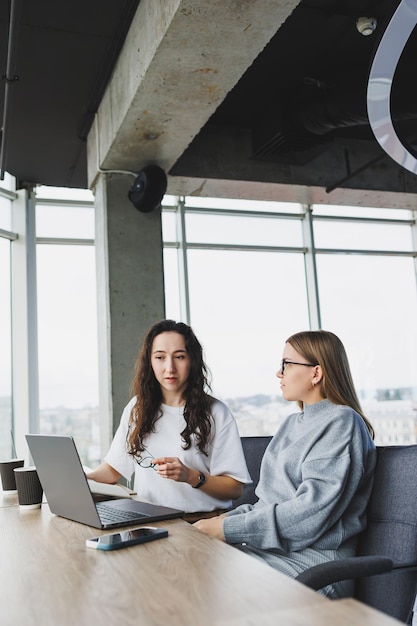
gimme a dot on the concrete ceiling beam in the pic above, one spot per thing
(179, 61)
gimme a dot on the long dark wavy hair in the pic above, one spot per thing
(324, 348)
(147, 409)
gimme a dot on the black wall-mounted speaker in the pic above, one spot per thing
(148, 189)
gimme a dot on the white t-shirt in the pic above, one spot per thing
(225, 457)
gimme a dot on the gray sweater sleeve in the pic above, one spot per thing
(315, 482)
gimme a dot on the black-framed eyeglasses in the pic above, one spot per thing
(284, 364)
(146, 461)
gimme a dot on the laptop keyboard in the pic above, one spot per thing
(109, 515)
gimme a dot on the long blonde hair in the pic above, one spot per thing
(325, 349)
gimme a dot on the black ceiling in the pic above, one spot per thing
(307, 90)
(65, 52)
(304, 94)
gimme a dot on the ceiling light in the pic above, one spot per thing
(366, 25)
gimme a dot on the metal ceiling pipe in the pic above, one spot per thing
(10, 79)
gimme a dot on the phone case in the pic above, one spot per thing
(123, 539)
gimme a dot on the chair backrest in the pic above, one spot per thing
(392, 531)
(253, 448)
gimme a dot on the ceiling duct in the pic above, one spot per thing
(321, 110)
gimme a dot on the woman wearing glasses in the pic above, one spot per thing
(317, 472)
(182, 444)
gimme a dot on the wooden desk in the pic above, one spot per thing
(345, 612)
(8, 499)
(49, 578)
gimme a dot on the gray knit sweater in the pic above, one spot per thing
(315, 482)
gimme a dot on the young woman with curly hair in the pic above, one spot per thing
(181, 443)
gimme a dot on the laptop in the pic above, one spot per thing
(68, 494)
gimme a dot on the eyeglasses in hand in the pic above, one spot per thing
(146, 461)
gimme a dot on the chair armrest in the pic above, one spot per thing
(324, 574)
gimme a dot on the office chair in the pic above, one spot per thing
(253, 448)
(385, 568)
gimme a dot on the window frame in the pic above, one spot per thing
(309, 249)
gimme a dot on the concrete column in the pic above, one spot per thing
(130, 285)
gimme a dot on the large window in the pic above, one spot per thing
(241, 321)
(48, 318)
(246, 275)
(67, 319)
(243, 289)
(250, 274)
(367, 286)
(6, 236)
(5, 353)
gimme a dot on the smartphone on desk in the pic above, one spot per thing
(125, 538)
